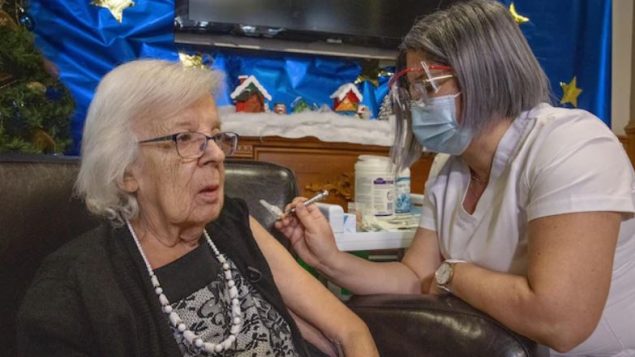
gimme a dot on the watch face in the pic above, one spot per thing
(443, 274)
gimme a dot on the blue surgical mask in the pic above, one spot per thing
(435, 126)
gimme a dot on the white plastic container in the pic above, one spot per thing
(375, 185)
(403, 204)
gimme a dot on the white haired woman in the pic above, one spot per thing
(169, 274)
(528, 212)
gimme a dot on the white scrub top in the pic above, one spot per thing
(550, 161)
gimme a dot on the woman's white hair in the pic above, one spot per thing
(130, 92)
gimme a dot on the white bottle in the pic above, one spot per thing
(375, 185)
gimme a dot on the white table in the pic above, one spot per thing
(374, 240)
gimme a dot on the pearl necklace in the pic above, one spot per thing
(189, 336)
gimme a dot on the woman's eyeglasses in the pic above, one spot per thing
(419, 90)
(192, 145)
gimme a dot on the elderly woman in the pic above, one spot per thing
(172, 272)
(528, 212)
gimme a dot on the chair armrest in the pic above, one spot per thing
(425, 325)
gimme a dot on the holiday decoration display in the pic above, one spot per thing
(570, 92)
(385, 111)
(517, 17)
(35, 108)
(116, 7)
(280, 108)
(192, 60)
(85, 47)
(363, 112)
(6, 20)
(300, 105)
(250, 95)
(346, 99)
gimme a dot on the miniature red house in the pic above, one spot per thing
(250, 95)
(346, 98)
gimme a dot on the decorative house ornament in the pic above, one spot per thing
(363, 112)
(299, 105)
(346, 99)
(250, 95)
(280, 108)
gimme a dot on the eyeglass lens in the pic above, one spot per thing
(421, 90)
(193, 145)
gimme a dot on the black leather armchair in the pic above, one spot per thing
(437, 326)
(38, 214)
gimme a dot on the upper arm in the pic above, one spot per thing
(50, 323)
(298, 288)
(579, 182)
(570, 261)
(579, 179)
(283, 267)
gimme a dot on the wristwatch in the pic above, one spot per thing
(445, 273)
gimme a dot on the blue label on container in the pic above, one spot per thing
(403, 204)
(382, 181)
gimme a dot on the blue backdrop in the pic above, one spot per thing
(571, 38)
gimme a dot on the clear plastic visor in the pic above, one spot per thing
(420, 89)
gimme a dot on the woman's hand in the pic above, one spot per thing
(310, 233)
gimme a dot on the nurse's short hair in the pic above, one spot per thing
(498, 75)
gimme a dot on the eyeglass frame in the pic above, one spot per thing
(173, 138)
(431, 81)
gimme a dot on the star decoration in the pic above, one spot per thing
(361, 78)
(116, 7)
(517, 17)
(570, 92)
(191, 60)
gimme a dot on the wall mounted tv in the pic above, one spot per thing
(372, 23)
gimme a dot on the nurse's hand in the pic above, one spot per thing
(310, 234)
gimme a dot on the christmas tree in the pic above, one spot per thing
(385, 111)
(35, 107)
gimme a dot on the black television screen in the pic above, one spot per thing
(380, 23)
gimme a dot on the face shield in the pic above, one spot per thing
(423, 83)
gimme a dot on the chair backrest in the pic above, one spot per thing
(38, 214)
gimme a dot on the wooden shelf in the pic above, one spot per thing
(319, 164)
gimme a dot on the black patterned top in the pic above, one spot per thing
(198, 292)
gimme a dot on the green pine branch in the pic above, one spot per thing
(35, 108)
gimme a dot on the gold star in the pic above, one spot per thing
(517, 17)
(116, 7)
(570, 92)
(361, 78)
(191, 60)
